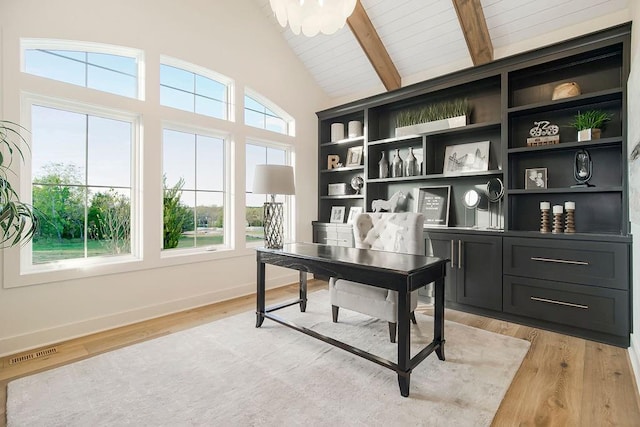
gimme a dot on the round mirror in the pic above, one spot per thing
(471, 199)
(495, 189)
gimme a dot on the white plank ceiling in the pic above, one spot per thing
(421, 35)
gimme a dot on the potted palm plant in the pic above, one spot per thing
(18, 221)
(590, 123)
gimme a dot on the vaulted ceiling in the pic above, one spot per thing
(425, 38)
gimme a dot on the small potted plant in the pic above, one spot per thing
(590, 123)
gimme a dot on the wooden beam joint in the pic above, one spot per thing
(474, 28)
(367, 36)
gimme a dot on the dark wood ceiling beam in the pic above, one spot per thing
(367, 36)
(474, 27)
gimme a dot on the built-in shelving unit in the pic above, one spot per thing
(506, 97)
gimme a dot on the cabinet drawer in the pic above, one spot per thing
(584, 262)
(588, 307)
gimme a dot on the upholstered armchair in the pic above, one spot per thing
(392, 232)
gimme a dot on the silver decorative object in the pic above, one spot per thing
(383, 167)
(411, 164)
(396, 165)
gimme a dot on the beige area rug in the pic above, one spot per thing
(230, 373)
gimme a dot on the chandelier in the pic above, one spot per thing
(313, 16)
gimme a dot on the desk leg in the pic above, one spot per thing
(404, 342)
(438, 323)
(303, 291)
(260, 295)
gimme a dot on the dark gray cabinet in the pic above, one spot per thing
(518, 274)
(474, 276)
(570, 284)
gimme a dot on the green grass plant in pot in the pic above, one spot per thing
(443, 115)
(590, 123)
(18, 221)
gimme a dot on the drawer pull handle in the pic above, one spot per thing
(552, 301)
(561, 261)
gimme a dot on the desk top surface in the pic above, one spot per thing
(371, 259)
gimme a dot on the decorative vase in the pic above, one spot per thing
(411, 164)
(383, 167)
(396, 165)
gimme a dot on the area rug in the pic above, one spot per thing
(230, 373)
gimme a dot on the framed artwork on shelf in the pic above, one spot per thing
(433, 202)
(471, 157)
(353, 211)
(337, 214)
(535, 178)
(354, 156)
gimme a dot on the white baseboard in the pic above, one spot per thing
(56, 334)
(634, 355)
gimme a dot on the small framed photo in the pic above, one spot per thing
(470, 157)
(354, 156)
(337, 214)
(353, 211)
(535, 178)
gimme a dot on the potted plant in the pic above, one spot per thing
(18, 221)
(433, 117)
(590, 123)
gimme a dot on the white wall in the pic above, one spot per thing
(634, 182)
(230, 37)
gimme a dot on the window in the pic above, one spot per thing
(102, 69)
(194, 190)
(256, 154)
(190, 88)
(260, 113)
(82, 183)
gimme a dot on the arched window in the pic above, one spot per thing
(261, 113)
(196, 89)
(107, 68)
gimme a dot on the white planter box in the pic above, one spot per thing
(451, 122)
(588, 134)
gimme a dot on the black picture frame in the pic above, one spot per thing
(433, 202)
(535, 178)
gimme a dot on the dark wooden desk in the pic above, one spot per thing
(399, 272)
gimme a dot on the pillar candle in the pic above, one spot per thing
(557, 209)
(545, 205)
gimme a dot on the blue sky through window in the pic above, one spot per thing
(109, 73)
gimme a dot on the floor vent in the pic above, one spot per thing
(34, 355)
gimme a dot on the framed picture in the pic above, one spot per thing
(337, 214)
(472, 157)
(354, 156)
(535, 178)
(433, 203)
(353, 211)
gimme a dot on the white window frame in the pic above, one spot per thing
(26, 273)
(228, 188)
(289, 120)
(80, 46)
(205, 72)
(289, 200)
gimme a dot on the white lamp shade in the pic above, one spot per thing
(273, 179)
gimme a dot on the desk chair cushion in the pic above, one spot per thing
(394, 232)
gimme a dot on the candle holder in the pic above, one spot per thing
(570, 225)
(557, 219)
(544, 217)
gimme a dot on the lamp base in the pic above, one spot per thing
(273, 225)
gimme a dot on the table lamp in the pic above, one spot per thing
(273, 179)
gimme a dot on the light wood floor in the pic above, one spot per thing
(563, 381)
